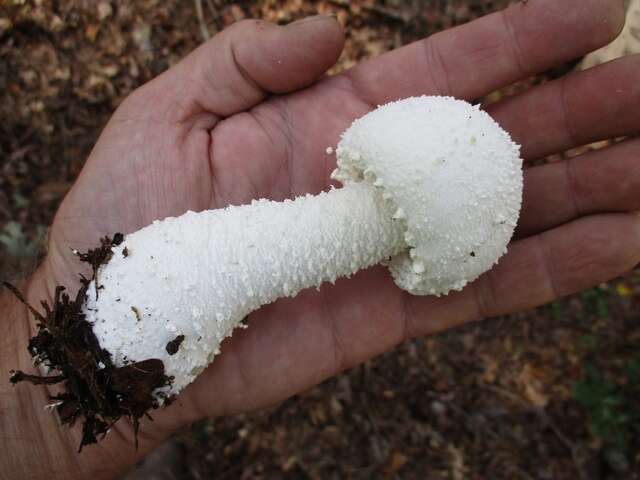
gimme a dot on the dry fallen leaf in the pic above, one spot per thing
(459, 470)
(628, 43)
(396, 462)
(623, 290)
(104, 10)
(491, 366)
(531, 380)
(289, 463)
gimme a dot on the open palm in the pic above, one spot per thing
(210, 132)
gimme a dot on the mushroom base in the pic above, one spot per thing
(94, 390)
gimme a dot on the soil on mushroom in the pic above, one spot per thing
(487, 401)
(95, 392)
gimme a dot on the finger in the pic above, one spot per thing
(537, 270)
(237, 68)
(287, 161)
(595, 104)
(606, 180)
(471, 60)
(296, 343)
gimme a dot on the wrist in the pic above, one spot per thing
(33, 447)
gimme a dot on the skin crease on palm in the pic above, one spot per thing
(223, 128)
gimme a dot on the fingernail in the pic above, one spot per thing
(314, 18)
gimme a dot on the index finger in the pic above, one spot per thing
(473, 59)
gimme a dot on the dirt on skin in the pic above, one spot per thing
(546, 394)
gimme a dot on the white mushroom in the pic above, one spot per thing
(432, 187)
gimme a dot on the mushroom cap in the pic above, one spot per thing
(454, 177)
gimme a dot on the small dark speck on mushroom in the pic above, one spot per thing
(125, 252)
(136, 313)
(473, 254)
(174, 345)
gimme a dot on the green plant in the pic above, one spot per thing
(557, 310)
(594, 300)
(609, 402)
(16, 243)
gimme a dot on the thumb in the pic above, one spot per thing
(239, 67)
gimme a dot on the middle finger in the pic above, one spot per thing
(583, 107)
(605, 180)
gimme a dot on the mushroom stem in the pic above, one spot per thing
(200, 274)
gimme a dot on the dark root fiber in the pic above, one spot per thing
(95, 390)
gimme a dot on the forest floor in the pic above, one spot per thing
(551, 393)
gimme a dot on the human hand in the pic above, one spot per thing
(203, 135)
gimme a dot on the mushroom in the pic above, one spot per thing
(432, 187)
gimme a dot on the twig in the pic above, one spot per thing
(569, 445)
(508, 394)
(388, 13)
(203, 26)
(212, 9)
